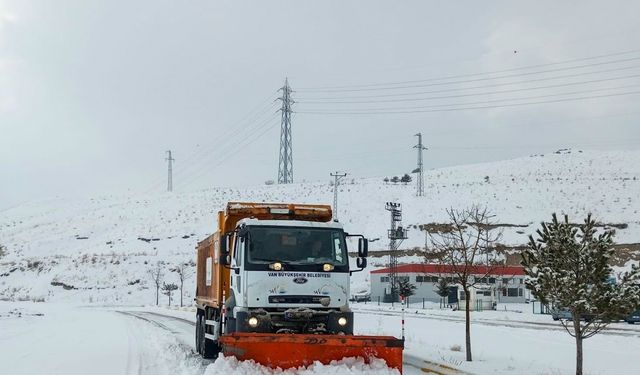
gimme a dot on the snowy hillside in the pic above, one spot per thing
(99, 250)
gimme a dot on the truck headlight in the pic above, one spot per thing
(327, 267)
(277, 266)
(253, 322)
(342, 321)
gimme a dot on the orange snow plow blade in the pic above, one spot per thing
(295, 350)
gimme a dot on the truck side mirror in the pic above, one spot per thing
(224, 245)
(225, 259)
(361, 263)
(363, 247)
(243, 232)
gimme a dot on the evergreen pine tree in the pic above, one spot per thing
(568, 267)
(406, 179)
(395, 179)
(442, 289)
(405, 288)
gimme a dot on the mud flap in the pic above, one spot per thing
(295, 350)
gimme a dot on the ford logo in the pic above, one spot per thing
(300, 280)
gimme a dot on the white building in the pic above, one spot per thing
(505, 283)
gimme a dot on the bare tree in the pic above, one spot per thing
(464, 247)
(157, 276)
(184, 271)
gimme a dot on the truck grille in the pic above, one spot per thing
(296, 299)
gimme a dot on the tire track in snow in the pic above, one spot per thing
(187, 359)
(419, 364)
(134, 358)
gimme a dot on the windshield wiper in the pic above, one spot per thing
(269, 260)
(314, 261)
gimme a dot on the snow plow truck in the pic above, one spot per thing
(273, 287)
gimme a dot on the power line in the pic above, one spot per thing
(243, 143)
(466, 95)
(229, 133)
(370, 112)
(496, 100)
(223, 145)
(373, 86)
(230, 150)
(231, 130)
(479, 86)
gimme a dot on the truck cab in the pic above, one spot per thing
(288, 276)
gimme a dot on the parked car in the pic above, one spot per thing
(361, 297)
(633, 318)
(558, 314)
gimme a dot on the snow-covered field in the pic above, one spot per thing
(504, 342)
(99, 249)
(73, 339)
(89, 259)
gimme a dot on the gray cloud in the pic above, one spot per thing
(93, 93)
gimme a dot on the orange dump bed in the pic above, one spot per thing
(295, 350)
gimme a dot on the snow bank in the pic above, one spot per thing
(230, 365)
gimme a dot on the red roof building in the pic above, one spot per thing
(505, 283)
(447, 269)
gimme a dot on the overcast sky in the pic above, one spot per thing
(92, 93)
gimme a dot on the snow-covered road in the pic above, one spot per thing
(58, 339)
(74, 340)
(182, 329)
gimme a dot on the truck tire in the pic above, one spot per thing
(208, 348)
(198, 332)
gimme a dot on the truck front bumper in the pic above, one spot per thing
(314, 321)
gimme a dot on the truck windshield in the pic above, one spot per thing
(268, 244)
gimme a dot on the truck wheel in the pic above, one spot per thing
(208, 348)
(198, 333)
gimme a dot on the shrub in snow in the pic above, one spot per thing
(168, 289)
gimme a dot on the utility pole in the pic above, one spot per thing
(420, 169)
(337, 176)
(170, 161)
(396, 235)
(285, 164)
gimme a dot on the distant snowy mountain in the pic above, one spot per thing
(99, 250)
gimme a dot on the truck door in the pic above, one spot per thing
(237, 274)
